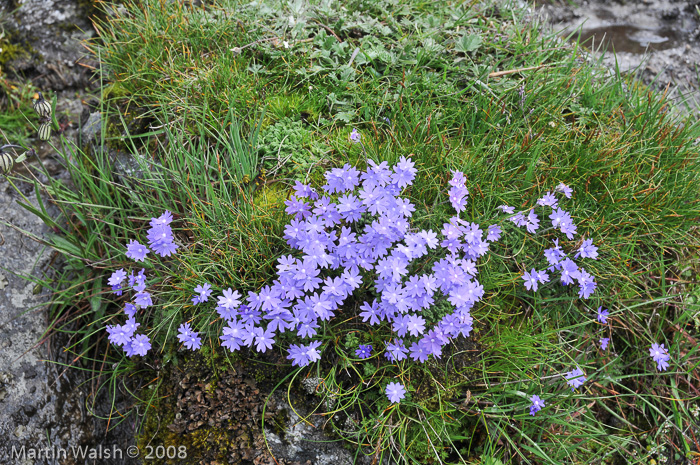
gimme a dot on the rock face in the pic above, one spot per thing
(40, 406)
(48, 35)
(43, 415)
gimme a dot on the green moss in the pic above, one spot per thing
(287, 149)
(12, 48)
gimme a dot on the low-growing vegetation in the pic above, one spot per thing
(477, 245)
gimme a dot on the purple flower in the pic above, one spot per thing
(419, 352)
(119, 335)
(338, 180)
(234, 334)
(136, 251)
(312, 351)
(355, 136)
(164, 249)
(189, 338)
(226, 313)
(554, 254)
(159, 233)
(569, 229)
(117, 277)
(569, 269)
(395, 351)
(660, 356)
(164, 219)
(143, 299)
(395, 392)
(494, 233)
(297, 354)
(603, 315)
(138, 279)
(559, 217)
(530, 280)
(506, 209)
(130, 310)
(139, 345)
(587, 284)
(301, 355)
(532, 222)
(587, 250)
(363, 351)
(415, 325)
(304, 191)
(264, 339)
(370, 312)
(537, 405)
(604, 342)
(139, 284)
(160, 236)
(352, 277)
(202, 293)
(296, 207)
(230, 300)
(130, 326)
(575, 378)
(518, 219)
(549, 200)
(307, 329)
(404, 172)
(269, 298)
(458, 193)
(565, 189)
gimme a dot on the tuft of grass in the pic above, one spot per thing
(199, 98)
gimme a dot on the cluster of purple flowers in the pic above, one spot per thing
(358, 231)
(337, 254)
(558, 260)
(125, 335)
(160, 238)
(189, 338)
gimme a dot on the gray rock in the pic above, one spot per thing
(39, 407)
(92, 128)
(50, 32)
(305, 443)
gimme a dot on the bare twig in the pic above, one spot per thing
(512, 71)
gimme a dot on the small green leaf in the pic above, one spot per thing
(468, 43)
(345, 116)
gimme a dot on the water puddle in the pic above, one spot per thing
(631, 39)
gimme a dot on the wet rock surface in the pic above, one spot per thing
(658, 40)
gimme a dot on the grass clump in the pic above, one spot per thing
(226, 87)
